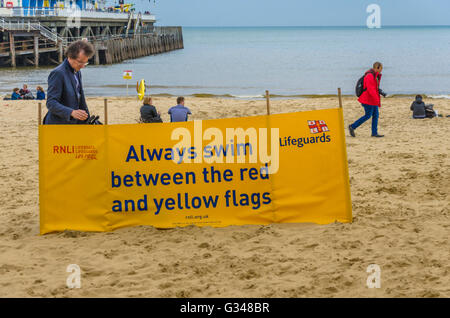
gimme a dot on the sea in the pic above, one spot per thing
(290, 62)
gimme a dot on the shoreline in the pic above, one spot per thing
(262, 96)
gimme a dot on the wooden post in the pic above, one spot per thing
(181, 37)
(36, 51)
(268, 102)
(12, 49)
(340, 97)
(39, 114)
(106, 111)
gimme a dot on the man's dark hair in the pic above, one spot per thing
(419, 97)
(74, 49)
(377, 64)
(180, 99)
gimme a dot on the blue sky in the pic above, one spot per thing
(295, 12)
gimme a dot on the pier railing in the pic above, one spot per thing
(4, 48)
(26, 46)
(23, 25)
(16, 25)
(68, 13)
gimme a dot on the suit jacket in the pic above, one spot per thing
(62, 97)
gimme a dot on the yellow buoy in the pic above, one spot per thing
(140, 88)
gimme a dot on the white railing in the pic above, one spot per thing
(48, 33)
(68, 13)
(5, 12)
(16, 25)
(23, 25)
(28, 26)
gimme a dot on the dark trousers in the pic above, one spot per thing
(370, 111)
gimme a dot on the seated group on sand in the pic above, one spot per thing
(178, 113)
(25, 93)
(421, 110)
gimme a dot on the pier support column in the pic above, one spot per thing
(60, 52)
(97, 56)
(36, 51)
(12, 49)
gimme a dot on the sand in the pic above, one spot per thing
(400, 188)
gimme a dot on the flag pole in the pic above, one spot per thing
(340, 97)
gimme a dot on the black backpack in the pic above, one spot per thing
(360, 86)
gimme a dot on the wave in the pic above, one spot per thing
(247, 96)
(406, 95)
(440, 96)
(149, 86)
(171, 86)
(313, 95)
(162, 95)
(260, 96)
(206, 95)
(226, 95)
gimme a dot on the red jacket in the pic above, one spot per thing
(371, 95)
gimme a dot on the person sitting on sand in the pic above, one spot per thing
(418, 108)
(430, 112)
(40, 94)
(16, 94)
(23, 91)
(180, 112)
(422, 110)
(149, 113)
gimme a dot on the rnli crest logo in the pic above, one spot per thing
(317, 126)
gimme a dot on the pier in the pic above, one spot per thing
(39, 36)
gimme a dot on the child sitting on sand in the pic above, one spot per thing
(16, 95)
(40, 94)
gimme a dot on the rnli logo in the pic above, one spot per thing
(317, 126)
(85, 152)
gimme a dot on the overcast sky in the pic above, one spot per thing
(295, 12)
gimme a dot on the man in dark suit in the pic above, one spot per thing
(65, 97)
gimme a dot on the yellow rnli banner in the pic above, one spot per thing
(283, 168)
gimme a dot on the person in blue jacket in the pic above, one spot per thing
(40, 94)
(179, 112)
(15, 95)
(66, 102)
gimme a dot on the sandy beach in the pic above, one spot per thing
(400, 187)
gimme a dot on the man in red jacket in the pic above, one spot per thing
(370, 99)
